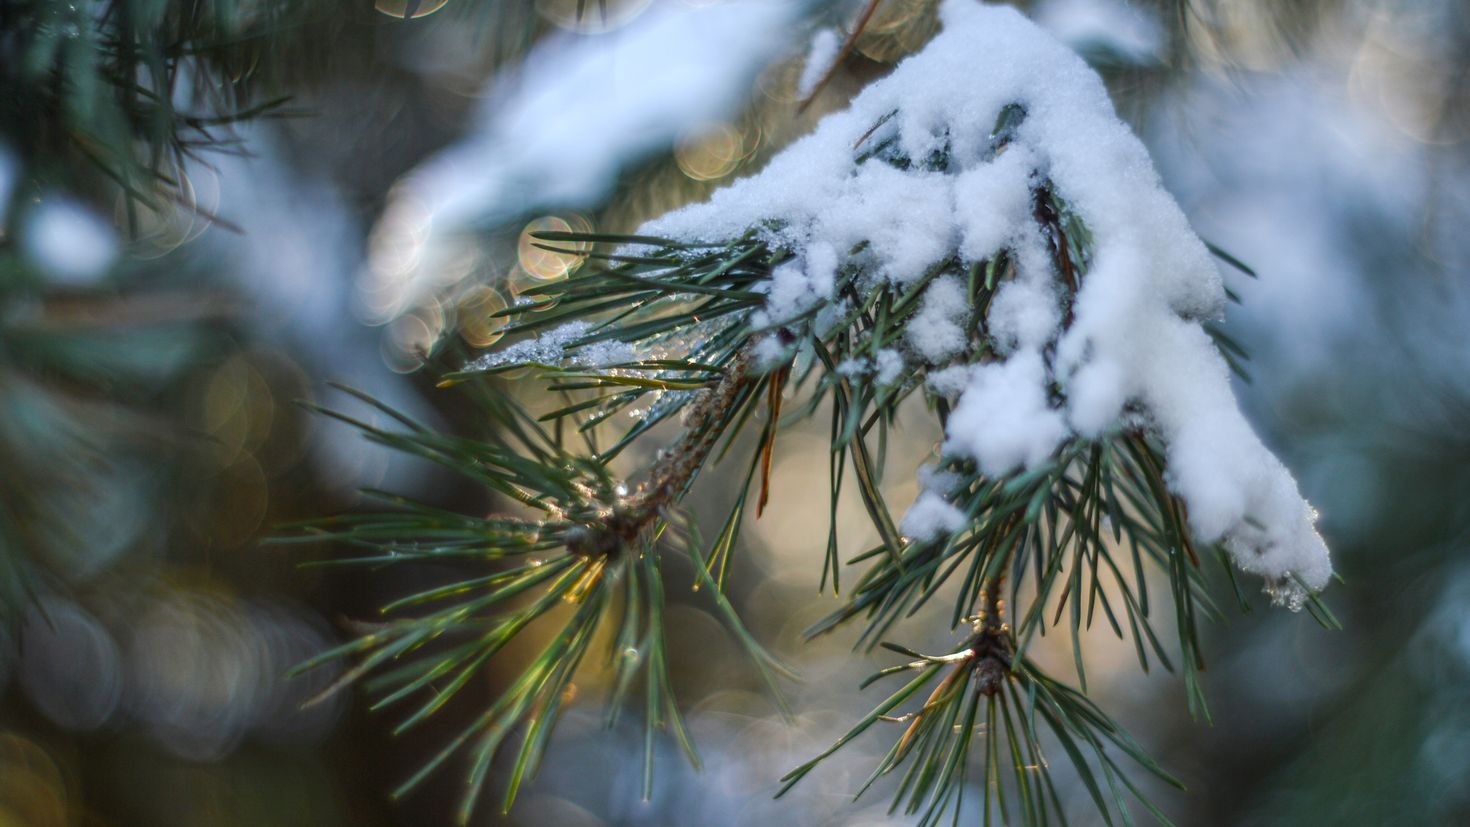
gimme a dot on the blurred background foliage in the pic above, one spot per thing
(209, 209)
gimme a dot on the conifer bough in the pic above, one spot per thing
(978, 229)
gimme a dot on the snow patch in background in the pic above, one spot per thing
(294, 258)
(68, 240)
(1285, 172)
(558, 131)
(1108, 31)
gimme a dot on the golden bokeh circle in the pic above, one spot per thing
(712, 153)
(542, 264)
(479, 326)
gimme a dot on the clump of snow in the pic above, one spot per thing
(937, 331)
(1023, 314)
(604, 354)
(889, 366)
(885, 368)
(798, 286)
(994, 199)
(1132, 344)
(69, 241)
(1004, 419)
(547, 349)
(1113, 29)
(949, 382)
(934, 478)
(554, 347)
(770, 353)
(819, 60)
(932, 515)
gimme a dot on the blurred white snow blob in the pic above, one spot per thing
(69, 241)
(294, 256)
(557, 131)
(1104, 31)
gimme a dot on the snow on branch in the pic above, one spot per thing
(964, 151)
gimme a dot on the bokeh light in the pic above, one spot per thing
(396, 249)
(781, 82)
(32, 789)
(159, 229)
(478, 325)
(287, 709)
(70, 666)
(411, 338)
(106, 515)
(898, 28)
(544, 264)
(409, 9)
(236, 408)
(712, 153)
(194, 673)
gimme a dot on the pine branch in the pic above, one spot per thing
(126, 91)
(1084, 525)
(693, 326)
(1050, 524)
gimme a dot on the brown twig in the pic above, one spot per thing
(674, 470)
(989, 656)
(842, 54)
(768, 445)
(67, 312)
(991, 644)
(1047, 216)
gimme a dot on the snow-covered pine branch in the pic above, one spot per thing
(978, 228)
(1127, 350)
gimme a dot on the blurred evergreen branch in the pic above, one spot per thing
(105, 103)
(84, 385)
(122, 91)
